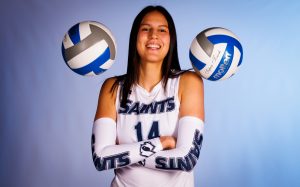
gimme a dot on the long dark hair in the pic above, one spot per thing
(170, 65)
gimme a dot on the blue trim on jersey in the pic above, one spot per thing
(216, 39)
(224, 64)
(196, 62)
(74, 34)
(95, 65)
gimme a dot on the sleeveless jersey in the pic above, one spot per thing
(148, 115)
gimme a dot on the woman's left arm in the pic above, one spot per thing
(190, 128)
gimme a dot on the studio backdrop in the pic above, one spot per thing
(252, 119)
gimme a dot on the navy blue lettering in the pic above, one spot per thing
(124, 160)
(198, 138)
(172, 162)
(186, 163)
(152, 107)
(126, 109)
(170, 104)
(134, 108)
(138, 128)
(154, 131)
(109, 162)
(161, 105)
(196, 150)
(155, 107)
(144, 109)
(193, 159)
(161, 162)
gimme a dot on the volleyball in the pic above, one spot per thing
(216, 53)
(89, 48)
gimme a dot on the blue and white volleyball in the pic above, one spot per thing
(216, 54)
(89, 48)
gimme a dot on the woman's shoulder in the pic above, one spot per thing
(112, 82)
(190, 78)
(108, 83)
(190, 82)
(107, 98)
(191, 95)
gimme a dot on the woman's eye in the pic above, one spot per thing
(163, 30)
(145, 29)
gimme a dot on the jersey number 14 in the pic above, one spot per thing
(153, 133)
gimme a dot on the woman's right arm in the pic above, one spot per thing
(106, 153)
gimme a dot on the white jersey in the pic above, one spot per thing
(148, 115)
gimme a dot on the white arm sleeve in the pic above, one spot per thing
(108, 155)
(185, 156)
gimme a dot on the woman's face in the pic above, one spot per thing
(153, 40)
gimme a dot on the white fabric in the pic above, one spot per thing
(108, 155)
(135, 122)
(185, 155)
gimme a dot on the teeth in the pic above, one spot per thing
(155, 46)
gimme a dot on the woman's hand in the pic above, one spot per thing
(168, 142)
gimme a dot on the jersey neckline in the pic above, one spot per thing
(154, 90)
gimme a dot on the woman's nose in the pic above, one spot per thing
(153, 34)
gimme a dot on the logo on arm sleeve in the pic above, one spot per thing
(147, 149)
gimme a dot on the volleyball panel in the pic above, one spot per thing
(216, 53)
(89, 48)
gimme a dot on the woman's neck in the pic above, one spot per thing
(150, 75)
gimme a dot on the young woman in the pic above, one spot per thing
(149, 122)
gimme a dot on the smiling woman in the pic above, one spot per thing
(153, 38)
(149, 122)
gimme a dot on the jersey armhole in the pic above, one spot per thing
(117, 101)
(177, 85)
